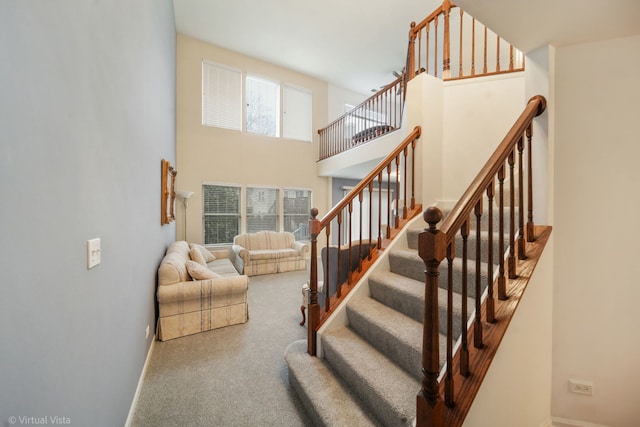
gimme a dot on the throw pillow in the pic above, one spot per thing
(196, 256)
(199, 272)
(208, 256)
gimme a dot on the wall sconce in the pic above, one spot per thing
(185, 196)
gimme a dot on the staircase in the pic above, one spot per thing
(371, 370)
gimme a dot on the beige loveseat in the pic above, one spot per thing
(198, 291)
(267, 252)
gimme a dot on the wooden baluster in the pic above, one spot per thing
(413, 173)
(464, 346)
(448, 380)
(370, 217)
(460, 72)
(498, 54)
(360, 199)
(411, 60)
(477, 324)
(349, 239)
(435, 49)
(397, 193)
(416, 67)
(380, 210)
(446, 49)
(491, 317)
(521, 247)
(428, 46)
(327, 300)
(473, 46)
(404, 184)
(502, 285)
(484, 67)
(431, 243)
(511, 260)
(314, 308)
(339, 266)
(530, 226)
(389, 219)
(510, 57)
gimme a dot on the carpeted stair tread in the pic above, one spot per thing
(386, 389)
(324, 396)
(407, 262)
(395, 335)
(406, 295)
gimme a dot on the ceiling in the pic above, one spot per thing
(357, 44)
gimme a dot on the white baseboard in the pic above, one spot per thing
(134, 403)
(576, 423)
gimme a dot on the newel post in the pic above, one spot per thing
(411, 55)
(446, 49)
(432, 250)
(314, 308)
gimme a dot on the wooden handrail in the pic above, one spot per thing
(465, 204)
(363, 247)
(435, 244)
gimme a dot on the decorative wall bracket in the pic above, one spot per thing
(168, 195)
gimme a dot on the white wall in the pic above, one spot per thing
(87, 112)
(478, 113)
(596, 208)
(338, 97)
(515, 391)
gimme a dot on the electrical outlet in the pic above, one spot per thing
(581, 387)
(146, 332)
(94, 251)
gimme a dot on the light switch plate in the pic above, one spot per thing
(93, 252)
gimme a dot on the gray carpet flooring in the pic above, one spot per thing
(233, 376)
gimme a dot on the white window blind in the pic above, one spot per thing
(263, 208)
(297, 114)
(221, 213)
(221, 96)
(263, 106)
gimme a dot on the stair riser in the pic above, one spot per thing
(411, 265)
(403, 354)
(484, 245)
(414, 307)
(379, 406)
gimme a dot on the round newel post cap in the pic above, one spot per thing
(432, 216)
(314, 213)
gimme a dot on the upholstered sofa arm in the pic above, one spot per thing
(242, 252)
(195, 289)
(303, 248)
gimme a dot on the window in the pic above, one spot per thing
(296, 209)
(262, 209)
(263, 106)
(297, 114)
(221, 96)
(221, 213)
(268, 105)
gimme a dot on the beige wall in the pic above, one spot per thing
(209, 154)
(595, 212)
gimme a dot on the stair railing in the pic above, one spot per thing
(376, 116)
(365, 220)
(437, 244)
(477, 51)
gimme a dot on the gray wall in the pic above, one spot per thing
(87, 111)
